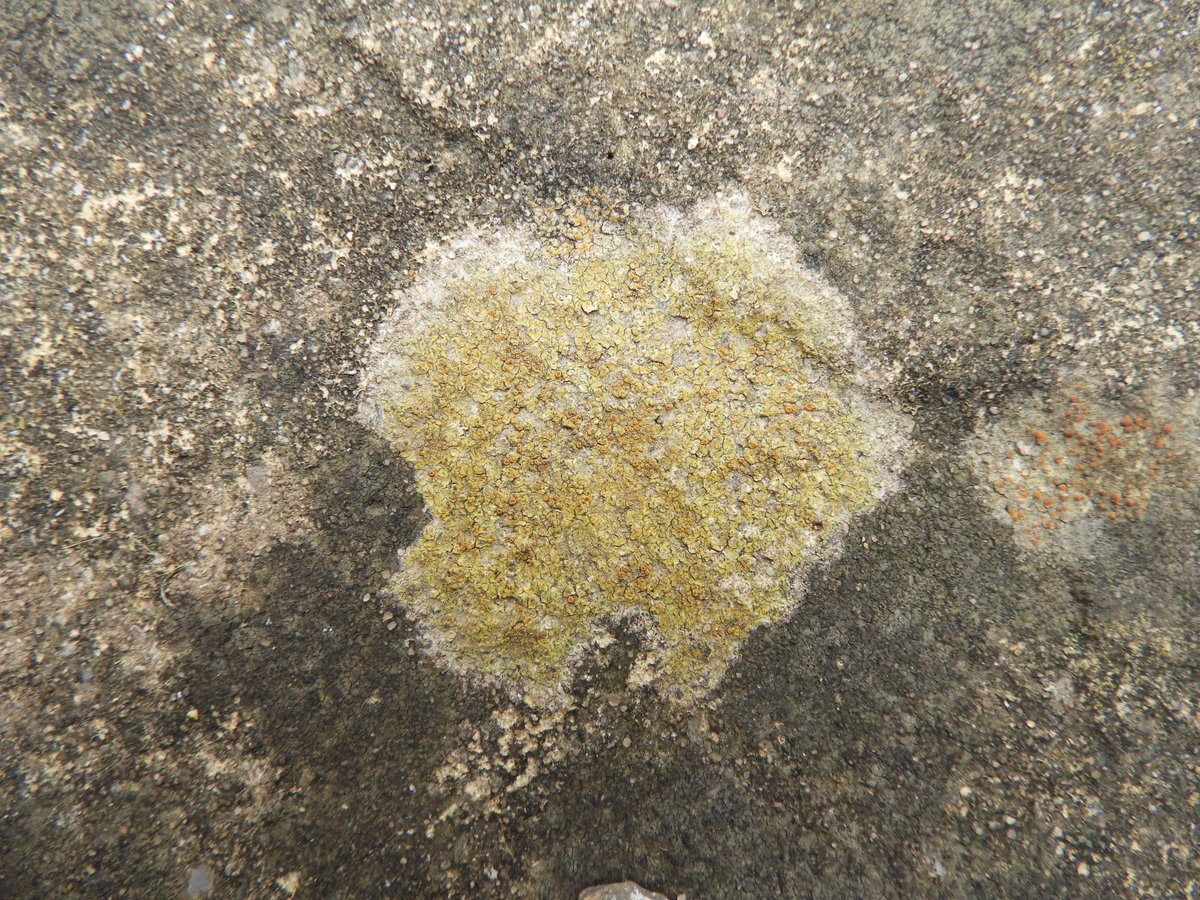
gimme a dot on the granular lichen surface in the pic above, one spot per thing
(665, 424)
(1076, 459)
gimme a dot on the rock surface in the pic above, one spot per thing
(206, 210)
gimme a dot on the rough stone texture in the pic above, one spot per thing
(205, 210)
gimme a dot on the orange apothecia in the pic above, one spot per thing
(1084, 459)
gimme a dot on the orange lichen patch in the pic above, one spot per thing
(1079, 459)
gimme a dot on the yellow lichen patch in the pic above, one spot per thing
(1079, 459)
(667, 423)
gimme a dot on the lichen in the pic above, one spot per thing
(665, 423)
(1074, 461)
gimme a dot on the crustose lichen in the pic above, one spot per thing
(666, 423)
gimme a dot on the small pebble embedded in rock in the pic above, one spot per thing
(200, 881)
(622, 890)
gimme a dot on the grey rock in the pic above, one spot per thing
(200, 880)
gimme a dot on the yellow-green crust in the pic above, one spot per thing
(658, 424)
